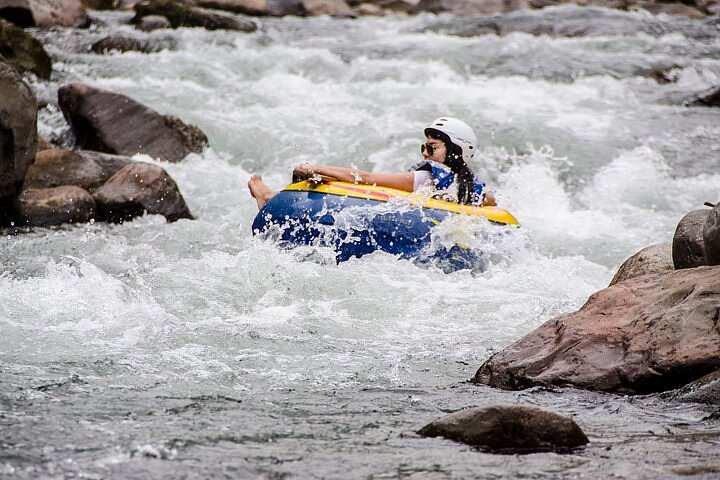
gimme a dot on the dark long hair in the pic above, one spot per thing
(454, 160)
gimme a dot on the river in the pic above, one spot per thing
(195, 350)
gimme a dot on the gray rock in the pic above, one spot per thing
(688, 247)
(652, 259)
(120, 43)
(648, 334)
(703, 390)
(140, 188)
(182, 13)
(24, 51)
(110, 164)
(18, 130)
(113, 123)
(509, 429)
(54, 206)
(711, 236)
(54, 168)
(149, 23)
(58, 13)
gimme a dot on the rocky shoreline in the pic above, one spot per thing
(654, 329)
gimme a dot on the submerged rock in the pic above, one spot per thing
(54, 206)
(652, 259)
(509, 429)
(121, 43)
(113, 123)
(23, 51)
(711, 236)
(140, 188)
(647, 334)
(182, 13)
(688, 247)
(706, 98)
(149, 23)
(18, 130)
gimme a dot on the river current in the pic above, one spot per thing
(195, 350)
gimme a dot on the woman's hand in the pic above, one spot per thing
(303, 171)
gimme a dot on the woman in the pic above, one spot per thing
(449, 145)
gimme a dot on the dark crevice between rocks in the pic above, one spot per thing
(22, 17)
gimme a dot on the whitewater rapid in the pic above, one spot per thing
(194, 349)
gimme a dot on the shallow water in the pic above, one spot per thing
(194, 350)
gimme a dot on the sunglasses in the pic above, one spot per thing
(427, 147)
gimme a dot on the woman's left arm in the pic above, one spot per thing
(401, 181)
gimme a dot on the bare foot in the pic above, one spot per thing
(260, 190)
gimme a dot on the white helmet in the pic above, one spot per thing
(460, 134)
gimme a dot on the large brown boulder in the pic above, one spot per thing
(140, 188)
(711, 236)
(18, 130)
(647, 334)
(652, 259)
(183, 13)
(509, 428)
(54, 168)
(688, 247)
(54, 206)
(113, 123)
(23, 51)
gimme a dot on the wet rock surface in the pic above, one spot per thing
(54, 168)
(703, 390)
(182, 13)
(711, 236)
(688, 246)
(140, 188)
(647, 334)
(23, 51)
(121, 43)
(652, 259)
(58, 13)
(509, 429)
(54, 206)
(18, 131)
(113, 123)
(149, 23)
(110, 164)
